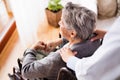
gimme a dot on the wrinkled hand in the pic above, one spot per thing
(100, 35)
(66, 53)
(39, 45)
(51, 46)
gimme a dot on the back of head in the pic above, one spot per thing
(81, 19)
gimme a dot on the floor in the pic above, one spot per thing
(14, 49)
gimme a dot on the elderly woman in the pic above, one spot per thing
(77, 25)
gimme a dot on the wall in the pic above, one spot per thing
(27, 14)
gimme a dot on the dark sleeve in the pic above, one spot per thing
(33, 68)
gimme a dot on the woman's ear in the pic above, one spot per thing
(73, 33)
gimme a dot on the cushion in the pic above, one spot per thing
(118, 7)
(107, 8)
(90, 4)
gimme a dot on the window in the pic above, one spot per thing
(6, 18)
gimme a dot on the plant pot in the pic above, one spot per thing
(53, 17)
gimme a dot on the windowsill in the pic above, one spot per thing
(6, 34)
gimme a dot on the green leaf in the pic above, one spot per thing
(54, 5)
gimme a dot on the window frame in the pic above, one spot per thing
(9, 28)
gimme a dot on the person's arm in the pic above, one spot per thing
(33, 68)
(99, 34)
(97, 65)
(69, 57)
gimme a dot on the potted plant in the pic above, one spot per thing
(53, 12)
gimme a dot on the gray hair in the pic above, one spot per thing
(81, 19)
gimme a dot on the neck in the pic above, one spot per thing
(71, 42)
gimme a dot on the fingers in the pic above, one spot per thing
(63, 50)
(95, 38)
(75, 53)
(42, 45)
(48, 47)
(66, 53)
(51, 46)
(100, 35)
(39, 45)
